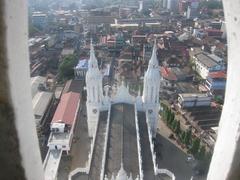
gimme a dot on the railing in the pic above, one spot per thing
(105, 144)
(46, 159)
(138, 145)
(77, 170)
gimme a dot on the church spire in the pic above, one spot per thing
(93, 60)
(153, 62)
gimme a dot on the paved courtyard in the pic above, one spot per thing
(171, 157)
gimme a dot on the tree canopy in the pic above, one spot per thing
(65, 69)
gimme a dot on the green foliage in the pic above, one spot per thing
(192, 144)
(195, 146)
(177, 129)
(188, 137)
(173, 124)
(218, 99)
(183, 135)
(65, 69)
(168, 116)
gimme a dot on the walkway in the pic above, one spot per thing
(51, 164)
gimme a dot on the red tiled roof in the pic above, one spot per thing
(218, 74)
(67, 108)
(168, 74)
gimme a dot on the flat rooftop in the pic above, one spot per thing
(60, 138)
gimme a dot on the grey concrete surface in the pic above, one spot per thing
(122, 145)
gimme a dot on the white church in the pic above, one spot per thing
(122, 128)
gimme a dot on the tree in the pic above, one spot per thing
(195, 146)
(168, 116)
(173, 124)
(66, 70)
(183, 136)
(165, 113)
(177, 129)
(171, 118)
(188, 137)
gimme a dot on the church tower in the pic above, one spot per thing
(94, 92)
(151, 87)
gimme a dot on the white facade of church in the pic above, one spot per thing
(95, 99)
(148, 102)
(150, 95)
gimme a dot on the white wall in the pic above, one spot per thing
(229, 128)
(19, 79)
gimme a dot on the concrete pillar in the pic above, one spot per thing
(226, 156)
(14, 61)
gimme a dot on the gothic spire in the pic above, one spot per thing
(153, 62)
(93, 60)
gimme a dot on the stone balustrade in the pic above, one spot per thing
(138, 145)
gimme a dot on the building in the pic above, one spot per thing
(36, 83)
(121, 128)
(41, 102)
(61, 135)
(39, 19)
(214, 33)
(66, 52)
(81, 69)
(91, 23)
(193, 100)
(216, 83)
(192, 9)
(63, 122)
(169, 79)
(205, 63)
(172, 61)
(172, 5)
(95, 99)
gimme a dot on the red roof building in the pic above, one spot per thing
(217, 75)
(214, 32)
(168, 74)
(67, 109)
